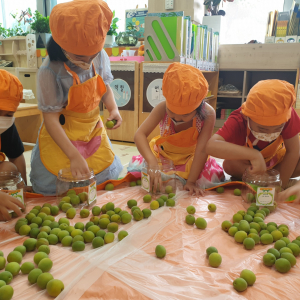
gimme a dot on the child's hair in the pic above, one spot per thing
(55, 52)
(201, 111)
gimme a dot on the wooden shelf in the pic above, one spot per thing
(15, 38)
(245, 79)
(224, 96)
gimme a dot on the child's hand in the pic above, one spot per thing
(294, 190)
(115, 115)
(7, 203)
(79, 166)
(193, 189)
(155, 178)
(258, 164)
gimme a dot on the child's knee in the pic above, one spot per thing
(7, 166)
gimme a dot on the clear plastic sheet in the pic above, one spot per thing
(130, 270)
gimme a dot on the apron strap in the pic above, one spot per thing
(95, 73)
(248, 142)
(167, 129)
(76, 80)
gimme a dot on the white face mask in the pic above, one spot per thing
(5, 123)
(81, 64)
(266, 137)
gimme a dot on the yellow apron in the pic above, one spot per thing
(179, 147)
(83, 126)
(273, 154)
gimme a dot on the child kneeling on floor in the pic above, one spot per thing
(186, 124)
(11, 94)
(262, 134)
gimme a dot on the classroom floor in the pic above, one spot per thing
(124, 150)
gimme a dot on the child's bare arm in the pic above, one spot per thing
(200, 157)
(292, 191)
(111, 105)
(218, 147)
(142, 143)
(290, 160)
(78, 163)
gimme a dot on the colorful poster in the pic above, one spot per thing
(136, 18)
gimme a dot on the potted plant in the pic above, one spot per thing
(212, 7)
(41, 27)
(112, 32)
(129, 37)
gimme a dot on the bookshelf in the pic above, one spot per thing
(244, 81)
(245, 65)
(21, 51)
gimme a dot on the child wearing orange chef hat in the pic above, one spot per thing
(72, 81)
(263, 134)
(11, 146)
(186, 124)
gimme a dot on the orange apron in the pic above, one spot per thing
(82, 125)
(273, 154)
(179, 147)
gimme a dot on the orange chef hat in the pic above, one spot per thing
(269, 102)
(80, 26)
(11, 91)
(184, 88)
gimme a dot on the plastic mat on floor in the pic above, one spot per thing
(130, 270)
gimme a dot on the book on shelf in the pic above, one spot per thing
(192, 41)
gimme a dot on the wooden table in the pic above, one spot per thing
(28, 121)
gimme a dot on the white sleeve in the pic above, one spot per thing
(49, 91)
(105, 63)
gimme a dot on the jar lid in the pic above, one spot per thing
(269, 176)
(66, 175)
(9, 178)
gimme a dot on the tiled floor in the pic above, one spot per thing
(124, 150)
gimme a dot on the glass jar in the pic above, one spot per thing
(167, 171)
(13, 184)
(78, 192)
(271, 179)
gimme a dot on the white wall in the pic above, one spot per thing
(119, 6)
(247, 20)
